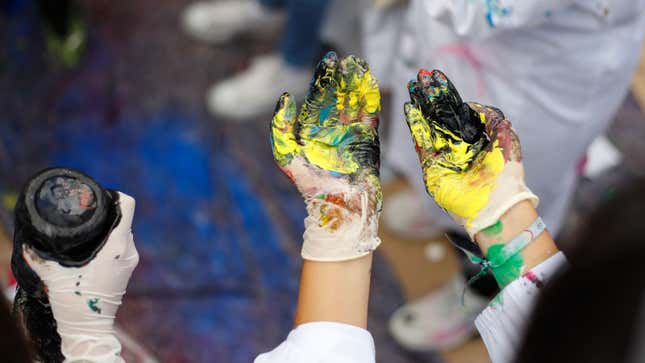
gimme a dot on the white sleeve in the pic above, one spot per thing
(481, 18)
(502, 323)
(323, 342)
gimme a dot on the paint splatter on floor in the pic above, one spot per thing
(218, 226)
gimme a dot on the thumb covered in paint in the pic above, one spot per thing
(283, 137)
(419, 129)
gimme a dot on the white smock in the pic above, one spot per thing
(559, 70)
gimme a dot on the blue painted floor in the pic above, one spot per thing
(217, 225)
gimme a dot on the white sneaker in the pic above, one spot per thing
(219, 21)
(438, 321)
(256, 90)
(407, 216)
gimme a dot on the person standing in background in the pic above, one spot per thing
(558, 69)
(218, 22)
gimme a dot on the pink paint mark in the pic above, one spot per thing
(462, 50)
(11, 279)
(534, 279)
(451, 334)
(582, 164)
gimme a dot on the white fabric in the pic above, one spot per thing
(501, 324)
(558, 69)
(85, 299)
(323, 342)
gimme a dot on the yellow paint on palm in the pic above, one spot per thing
(327, 147)
(465, 194)
(327, 157)
(322, 144)
(282, 137)
(363, 89)
(460, 152)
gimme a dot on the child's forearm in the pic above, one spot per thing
(335, 292)
(510, 225)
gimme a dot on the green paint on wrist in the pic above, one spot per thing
(508, 271)
(493, 230)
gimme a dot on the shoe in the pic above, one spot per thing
(67, 46)
(438, 321)
(256, 90)
(218, 22)
(407, 217)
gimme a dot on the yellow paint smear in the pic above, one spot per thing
(461, 153)
(284, 143)
(465, 194)
(325, 149)
(363, 89)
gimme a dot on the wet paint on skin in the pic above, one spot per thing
(332, 145)
(506, 272)
(463, 147)
(494, 230)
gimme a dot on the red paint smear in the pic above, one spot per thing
(582, 164)
(424, 72)
(451, 333)
(534, 279)
(335, 199)
(12, 279)
(85, 199)
(288, 173)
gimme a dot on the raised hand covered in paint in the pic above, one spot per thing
(331, 153)
(84, 300)
(470, 155)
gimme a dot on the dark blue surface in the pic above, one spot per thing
(217, 225)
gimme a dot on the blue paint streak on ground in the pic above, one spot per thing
(198, 221)
(275, 267)
(24, 25)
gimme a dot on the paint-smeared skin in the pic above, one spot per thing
(463, 147)
(332, 146)
(506, 272)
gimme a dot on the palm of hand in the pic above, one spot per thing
(331, 150)
(462, 147)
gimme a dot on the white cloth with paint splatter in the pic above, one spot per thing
(323, 342)
(501, 325)
(559, 69)
(85, 299)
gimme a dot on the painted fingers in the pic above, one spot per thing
(336, 129)
(320, 103)
(446, 131)
(283, 136)
(499, 129)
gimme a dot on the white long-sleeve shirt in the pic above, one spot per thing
(500, 325)
(323, 342)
